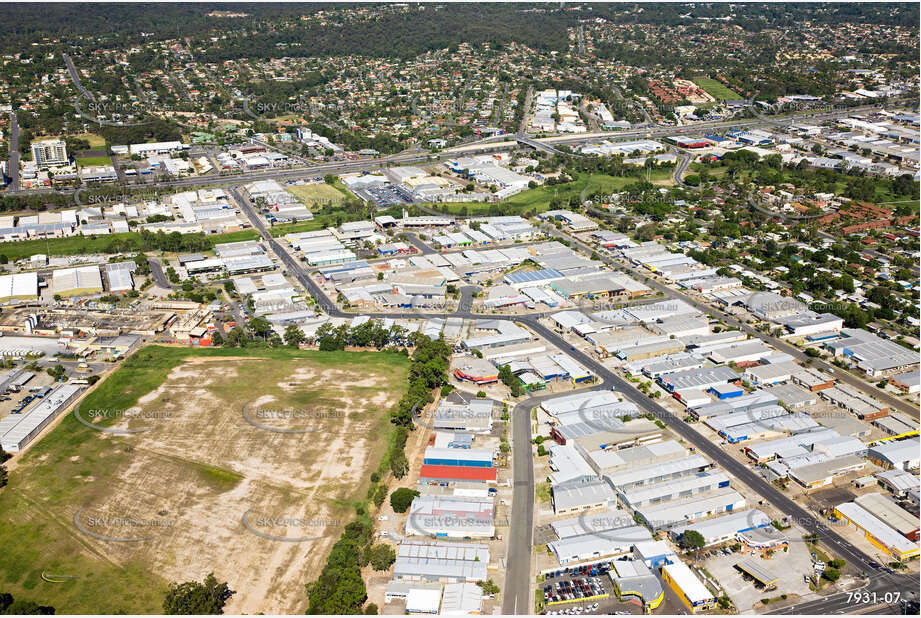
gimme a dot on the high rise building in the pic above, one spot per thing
(49, 153)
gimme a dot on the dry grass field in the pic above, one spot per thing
(176, 492)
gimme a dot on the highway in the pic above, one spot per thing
(482, 146)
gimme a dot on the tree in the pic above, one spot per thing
(691, 539)
(488, 587)
(402, 498)
(12, 607)
(260, 327)
(371, 609)
(208, 597)
(381, 556)
(831, 574)
(217, 339)
(294, 336)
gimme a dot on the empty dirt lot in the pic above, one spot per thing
(256, 495)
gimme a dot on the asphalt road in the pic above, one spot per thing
(486, 145)
(844, 603)
(75, 76)
(517, 598)
(159, 275)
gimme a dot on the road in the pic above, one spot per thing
(481, 146)
(13, 166)
(843, 603)
(517, 598)
(840, 374)
(159, 275)
(684, 160)
(75, 77)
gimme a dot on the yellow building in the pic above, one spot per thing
(694, 594)
(878, 533)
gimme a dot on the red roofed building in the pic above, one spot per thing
(433, 472)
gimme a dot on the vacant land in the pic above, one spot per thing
(95, 141)
(312, 194)
(199, 468)
(716, 89)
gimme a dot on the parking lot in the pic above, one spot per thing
(592, 592)
(385, 195)
(790, 567)
(577, 590)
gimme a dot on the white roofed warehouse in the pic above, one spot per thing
(79, 281)
(19, 287)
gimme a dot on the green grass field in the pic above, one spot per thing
(88, 161)
(78, 245)
(203, 468)
(716, 89)
(317, 194)
(538, 199)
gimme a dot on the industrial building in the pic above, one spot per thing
(772, 373)
(461, 599)
(441, 562)
(725, 527)
(77, 281)
(582, 494)
(632, 579)
(646, 495)
(474, 416)
(889, 512)
(17, 430)
(877, 532)
(902, 454)
(596, 545)
(695, 595)
(898, 482)
(451, 517)
(436, 474)
(660, 471)
(675, 512)
(609, 461)
(872, 354)
(792, 396)
(697, 378)
(18, 287)
(473, 457)
(824, 472)
(813, 379)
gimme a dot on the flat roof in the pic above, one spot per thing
(726, 525)
(685, 579)
(638, 475)
(885, 509)
(877, 528)
(753, 568)
(695, 378)
(461, 473)
(667, 514)
(579, 492)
